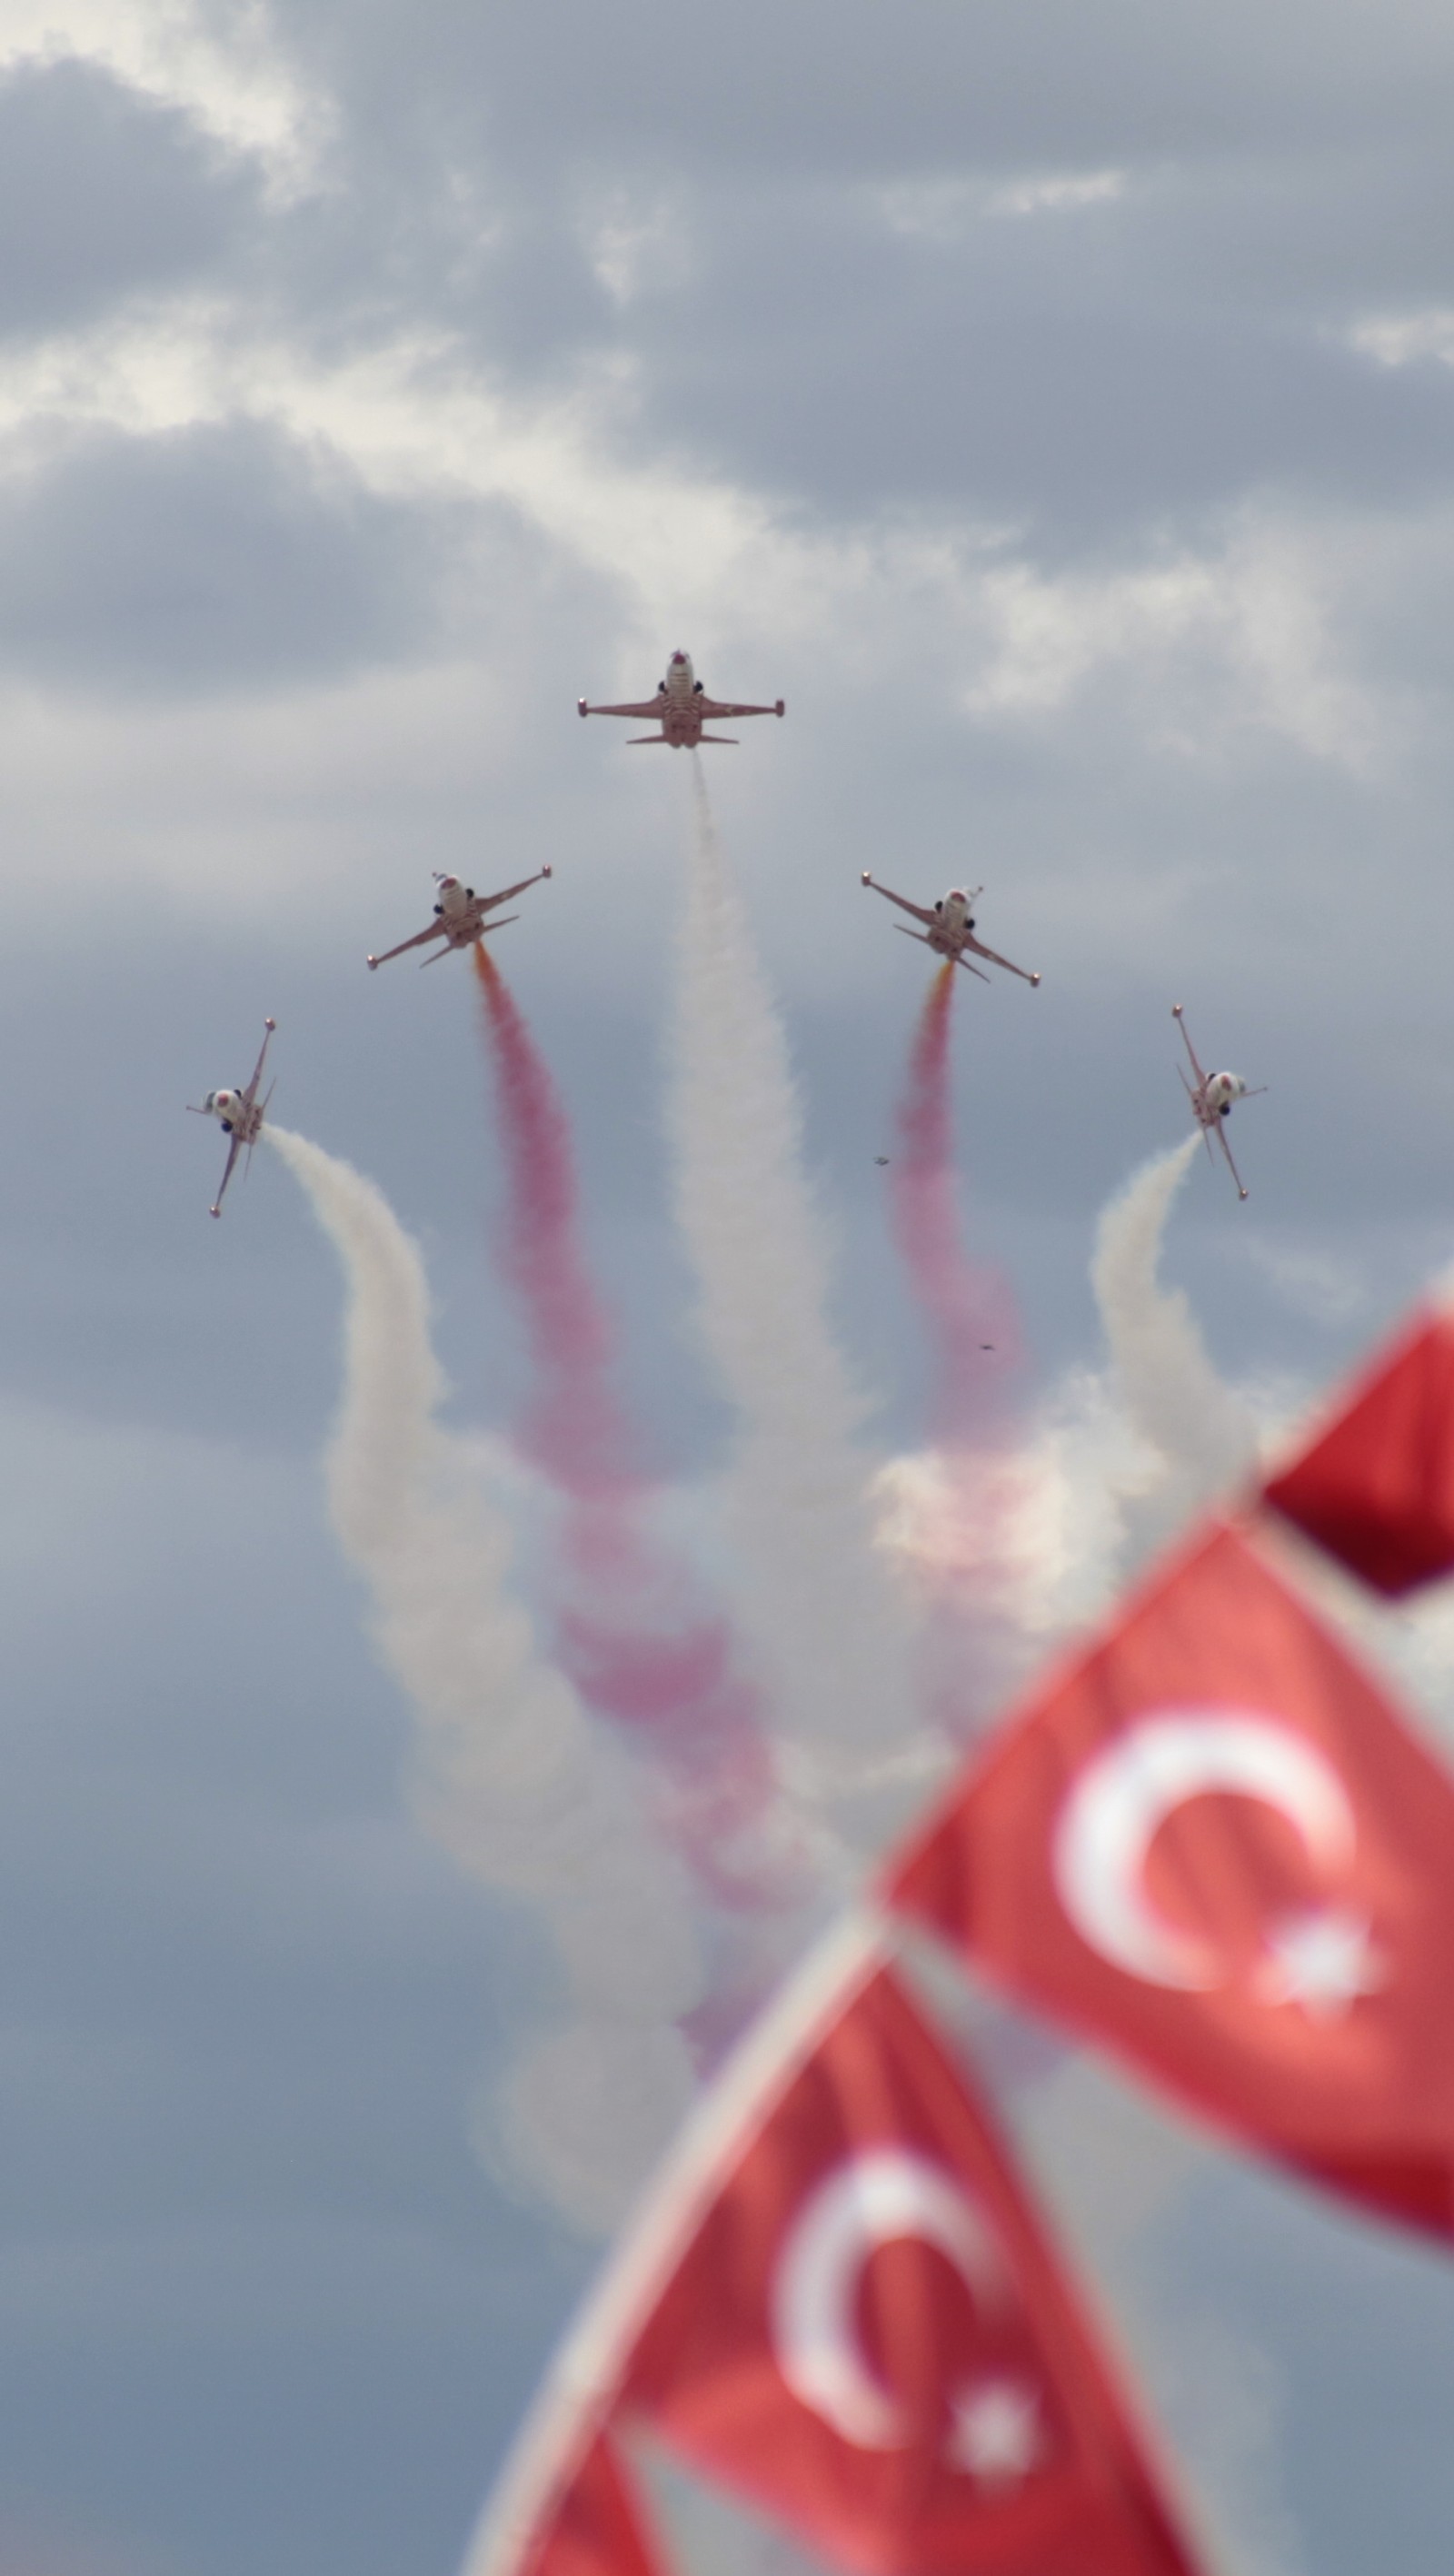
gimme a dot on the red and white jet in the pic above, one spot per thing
(949, 928)
(459, 917)
(1211, 1100)
(681, 707)
(241, 1114)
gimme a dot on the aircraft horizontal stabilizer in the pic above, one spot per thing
(718, 737)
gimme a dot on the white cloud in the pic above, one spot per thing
(1402, 339)
(637, 244)
(942, 211)
(1247, 635)
(1331, 1288)
(1058, 193)
(238, 86)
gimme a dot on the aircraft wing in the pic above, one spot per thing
(1231, 1166)
(645, 707)
(996, 959)
(712, 708)
(233, 1150)
(488, 902)
(250, 1095)
(436, 930)
(918, 910)
(1191, 1050)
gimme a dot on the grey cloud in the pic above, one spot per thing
(1083, 371)
(103, 193)
(253, 2290)
(210, 558)
(825, 90)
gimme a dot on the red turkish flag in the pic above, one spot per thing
(1377, 1488)
(867, 2336)
(594, 2527)
(1213, 1845)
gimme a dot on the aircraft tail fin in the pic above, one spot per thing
(635, 740)
(718, 737)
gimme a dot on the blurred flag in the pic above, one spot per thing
(866, 2335)
(1376, 1487)
(594, 2526)
(1213, 1845)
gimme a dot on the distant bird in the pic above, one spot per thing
(880, 1158)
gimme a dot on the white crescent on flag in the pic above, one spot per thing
(874, 2199)
(1125, 1793)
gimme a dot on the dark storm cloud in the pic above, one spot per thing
(208, 558)
(103, 193)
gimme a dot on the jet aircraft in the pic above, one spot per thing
(459, 917)
(241, 1114)
(1211, 1099)
(949, 928)
(681, 707)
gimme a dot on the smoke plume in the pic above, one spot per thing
(633, 1634)
(972, 1482)
(1202, 1437)
(512, 1778)
(814, 1595)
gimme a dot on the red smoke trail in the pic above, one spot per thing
(976, 1331)
(633, 1635)
(966, 1523)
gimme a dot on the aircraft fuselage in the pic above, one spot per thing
(460, 913)
(1213, 1098)
(230, 1108)
(680, 701)
(953, 921)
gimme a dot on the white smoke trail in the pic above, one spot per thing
(1202, 1436)
(815, 1596)
(514, 1781)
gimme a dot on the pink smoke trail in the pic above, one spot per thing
(973, 1477)
(633, 1634)
(968, 1305)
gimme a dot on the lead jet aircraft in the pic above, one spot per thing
(949, 928)
(681, 707)
(241, 1114)
(459, 917)
(1211, 1100)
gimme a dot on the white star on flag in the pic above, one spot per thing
(997, 2432)
(1323, 1961)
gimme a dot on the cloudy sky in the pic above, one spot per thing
(1053, 402)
